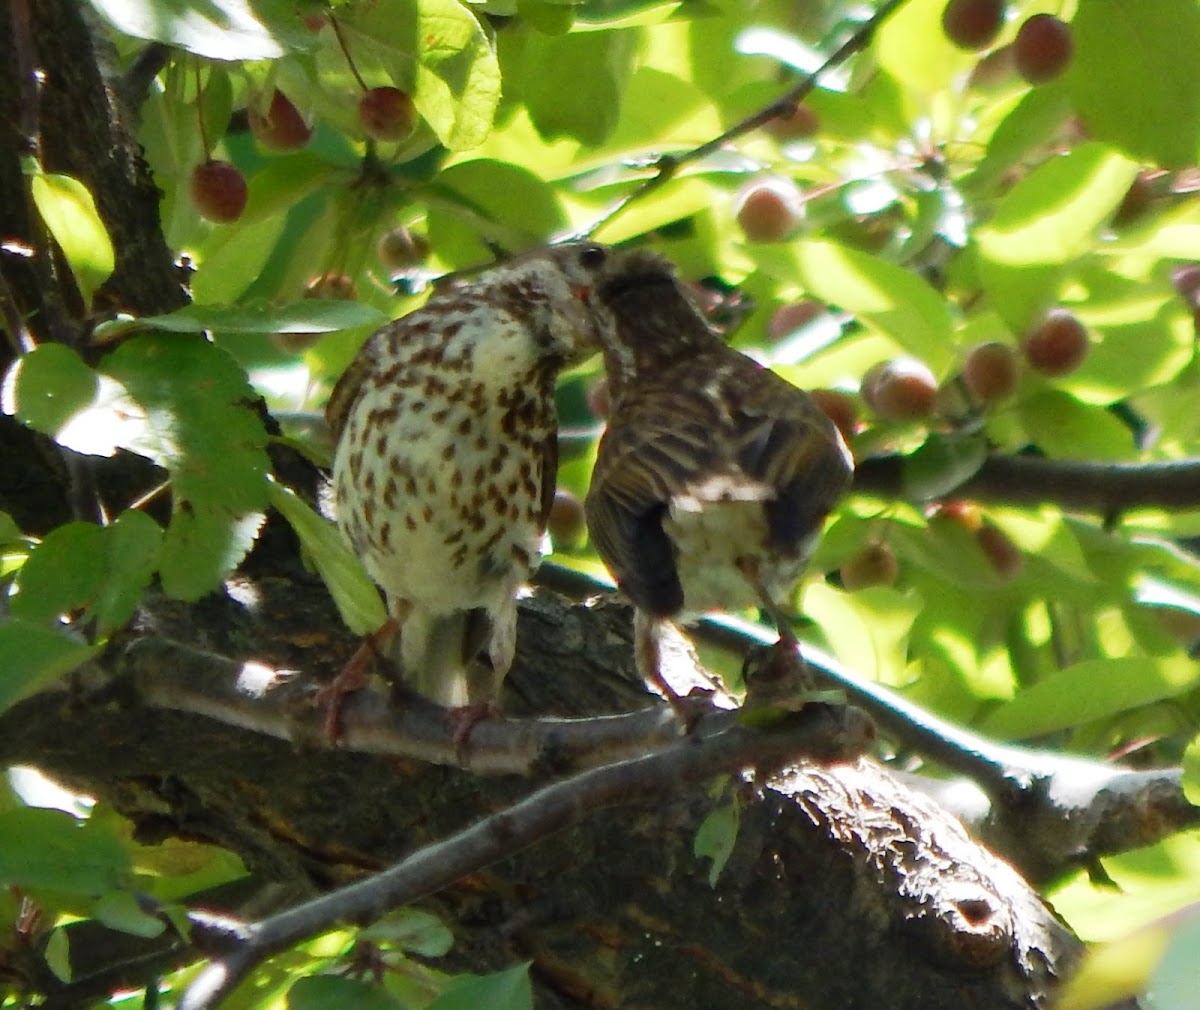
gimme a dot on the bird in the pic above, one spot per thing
(714, 475)
(445, 460)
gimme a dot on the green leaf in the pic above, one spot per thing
(353, 591)
(50, 385)
(1065, 428)
(217, 29)
(58, 954)
(201, 547)
(715, 839)
(70, 213)
(132, 545)
(525, 210)
(1090, 690)
(231, 258)
(308, 316)
(33, 657)
(332, 992)
(1176, 980)
(1045, 222)
(882, 295)
(941, 463)
(199, 422)
(49, 848)
(10, 532)
(63, 573)
(1191, 771)
(502, 990)
(1132, 62)
(437, 51)
(121, 910)
(912, 47)
(413, 930)
(555, 66)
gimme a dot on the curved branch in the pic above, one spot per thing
(820, 732)
(1104, 488)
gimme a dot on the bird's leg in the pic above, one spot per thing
(353, 676)
(647, 653)
(782, 673)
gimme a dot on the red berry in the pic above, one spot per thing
(874, 565)
(769, 210)
(990, 371)
(401, 249)
(1042, 48)
(219, 191)
(801, 122)
(786, 319)
(841, 408)
(281, 127)
(565, 522)
(972, 24)
(386, 114)
(1058, 345)
(903, 389)
(1004, 555)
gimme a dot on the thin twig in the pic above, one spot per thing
(824, 733)
(666, 165)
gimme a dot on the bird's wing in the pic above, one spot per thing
(794, 448)
(350, 385)
(650, 453)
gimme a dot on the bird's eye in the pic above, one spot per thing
(592, 256)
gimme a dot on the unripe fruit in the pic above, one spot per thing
(902, 389)
(334, 286)
(1005, 556)
(786, 319)
(565, 522)
(1042, 48)
(401, 249)
(840, 408)
(874, 565)
(218, 191)
(962, 513)
(386, 114)
(972, 24)
(801, 122)
(1058, 345)
(990, 371)
(281, 127)
(769, 210)
(598, 399)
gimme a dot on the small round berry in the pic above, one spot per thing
(903, 389)
(1005, 556)
(1042, 48)
(565, 522)
(281, 127)
(841, 408)
(973, 24)
(1058, 345)
(798, 124)
(874, 565)
(218, 190)
(769, 210)
(386, 114)
(786, 319)
(990, 371)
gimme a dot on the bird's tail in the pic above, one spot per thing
(439, 656)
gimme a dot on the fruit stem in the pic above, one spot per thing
(341, 39)
(200, 111)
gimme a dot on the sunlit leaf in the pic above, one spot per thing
(70, 213)
(33, 657)
(64, 573)
(353, 591)
(715, 839)
(412, 929)
(121, 910)
(503, 990)
(201, 547)
(332, 992)
(50, 848)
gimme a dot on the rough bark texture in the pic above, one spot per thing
(845, 889)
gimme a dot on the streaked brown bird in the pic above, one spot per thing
(714, 476)
(445, 463)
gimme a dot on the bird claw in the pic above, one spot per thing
(776, 675)
(352, 677)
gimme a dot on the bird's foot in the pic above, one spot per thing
(352, 677)
(776, 676)
(464, 719)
